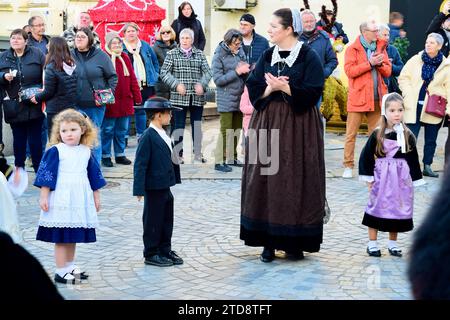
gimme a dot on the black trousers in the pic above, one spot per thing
(28, 131)
(158, 222)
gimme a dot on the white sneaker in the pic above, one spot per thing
(348, 173)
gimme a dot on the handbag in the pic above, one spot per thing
(26, 94)
(436, 105)
(103, 96)
(10, 108)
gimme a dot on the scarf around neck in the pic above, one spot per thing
(138, 64)
(115, 56)
(369, 47)
(429, 66)
(187, 52)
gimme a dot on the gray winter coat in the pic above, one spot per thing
(228, 83)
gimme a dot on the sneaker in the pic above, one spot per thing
(222, 167)
(348, 173)
(237, 163)
(123, 160)
(106, 162)
(199, 159)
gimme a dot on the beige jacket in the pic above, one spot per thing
(410, 82)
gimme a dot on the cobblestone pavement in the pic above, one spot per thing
(217, 264)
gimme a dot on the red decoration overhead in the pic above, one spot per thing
(112, 15)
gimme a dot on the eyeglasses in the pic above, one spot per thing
(38, 25)
(165, 32)
(80, 37)
(376, 30)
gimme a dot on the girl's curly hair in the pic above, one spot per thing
(89, 136)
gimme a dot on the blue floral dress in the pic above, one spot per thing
(72, 174)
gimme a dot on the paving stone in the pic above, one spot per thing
(217, 264)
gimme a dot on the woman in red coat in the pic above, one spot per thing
(127, 94)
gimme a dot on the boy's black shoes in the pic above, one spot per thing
(158, 260)
(175, 258)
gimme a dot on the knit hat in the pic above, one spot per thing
(110, 36)
(248, 17)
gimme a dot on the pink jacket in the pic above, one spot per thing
(246, 108)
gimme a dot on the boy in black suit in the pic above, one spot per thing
(155, 171)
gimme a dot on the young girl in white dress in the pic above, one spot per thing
(70, 179)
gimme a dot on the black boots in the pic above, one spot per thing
(427, 171)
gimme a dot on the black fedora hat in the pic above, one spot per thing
(157, 104)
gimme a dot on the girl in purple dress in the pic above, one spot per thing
(389, 164)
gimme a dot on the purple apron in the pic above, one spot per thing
(392, 194)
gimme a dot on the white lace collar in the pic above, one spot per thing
(290, 59)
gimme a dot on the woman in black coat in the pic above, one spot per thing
(165, 41)
(188, 19)
(21, 68)
(60, 80)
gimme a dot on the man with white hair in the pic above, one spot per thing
(83, 21)
(366, 64)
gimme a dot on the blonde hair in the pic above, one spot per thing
(379, 151)
(88, 138)
(166, 28)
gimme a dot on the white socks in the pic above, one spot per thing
(392, 244)
(372, 245)
(68, 268)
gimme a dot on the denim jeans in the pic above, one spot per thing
(196, 127)
(96, 114)
(23, 132)
(114, 131)
(431, 133)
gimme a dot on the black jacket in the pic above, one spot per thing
(153, 167)
(436, 26)
(60, 89)
(94, 70)
(199, 35)
(31, 65)
(161, 49)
